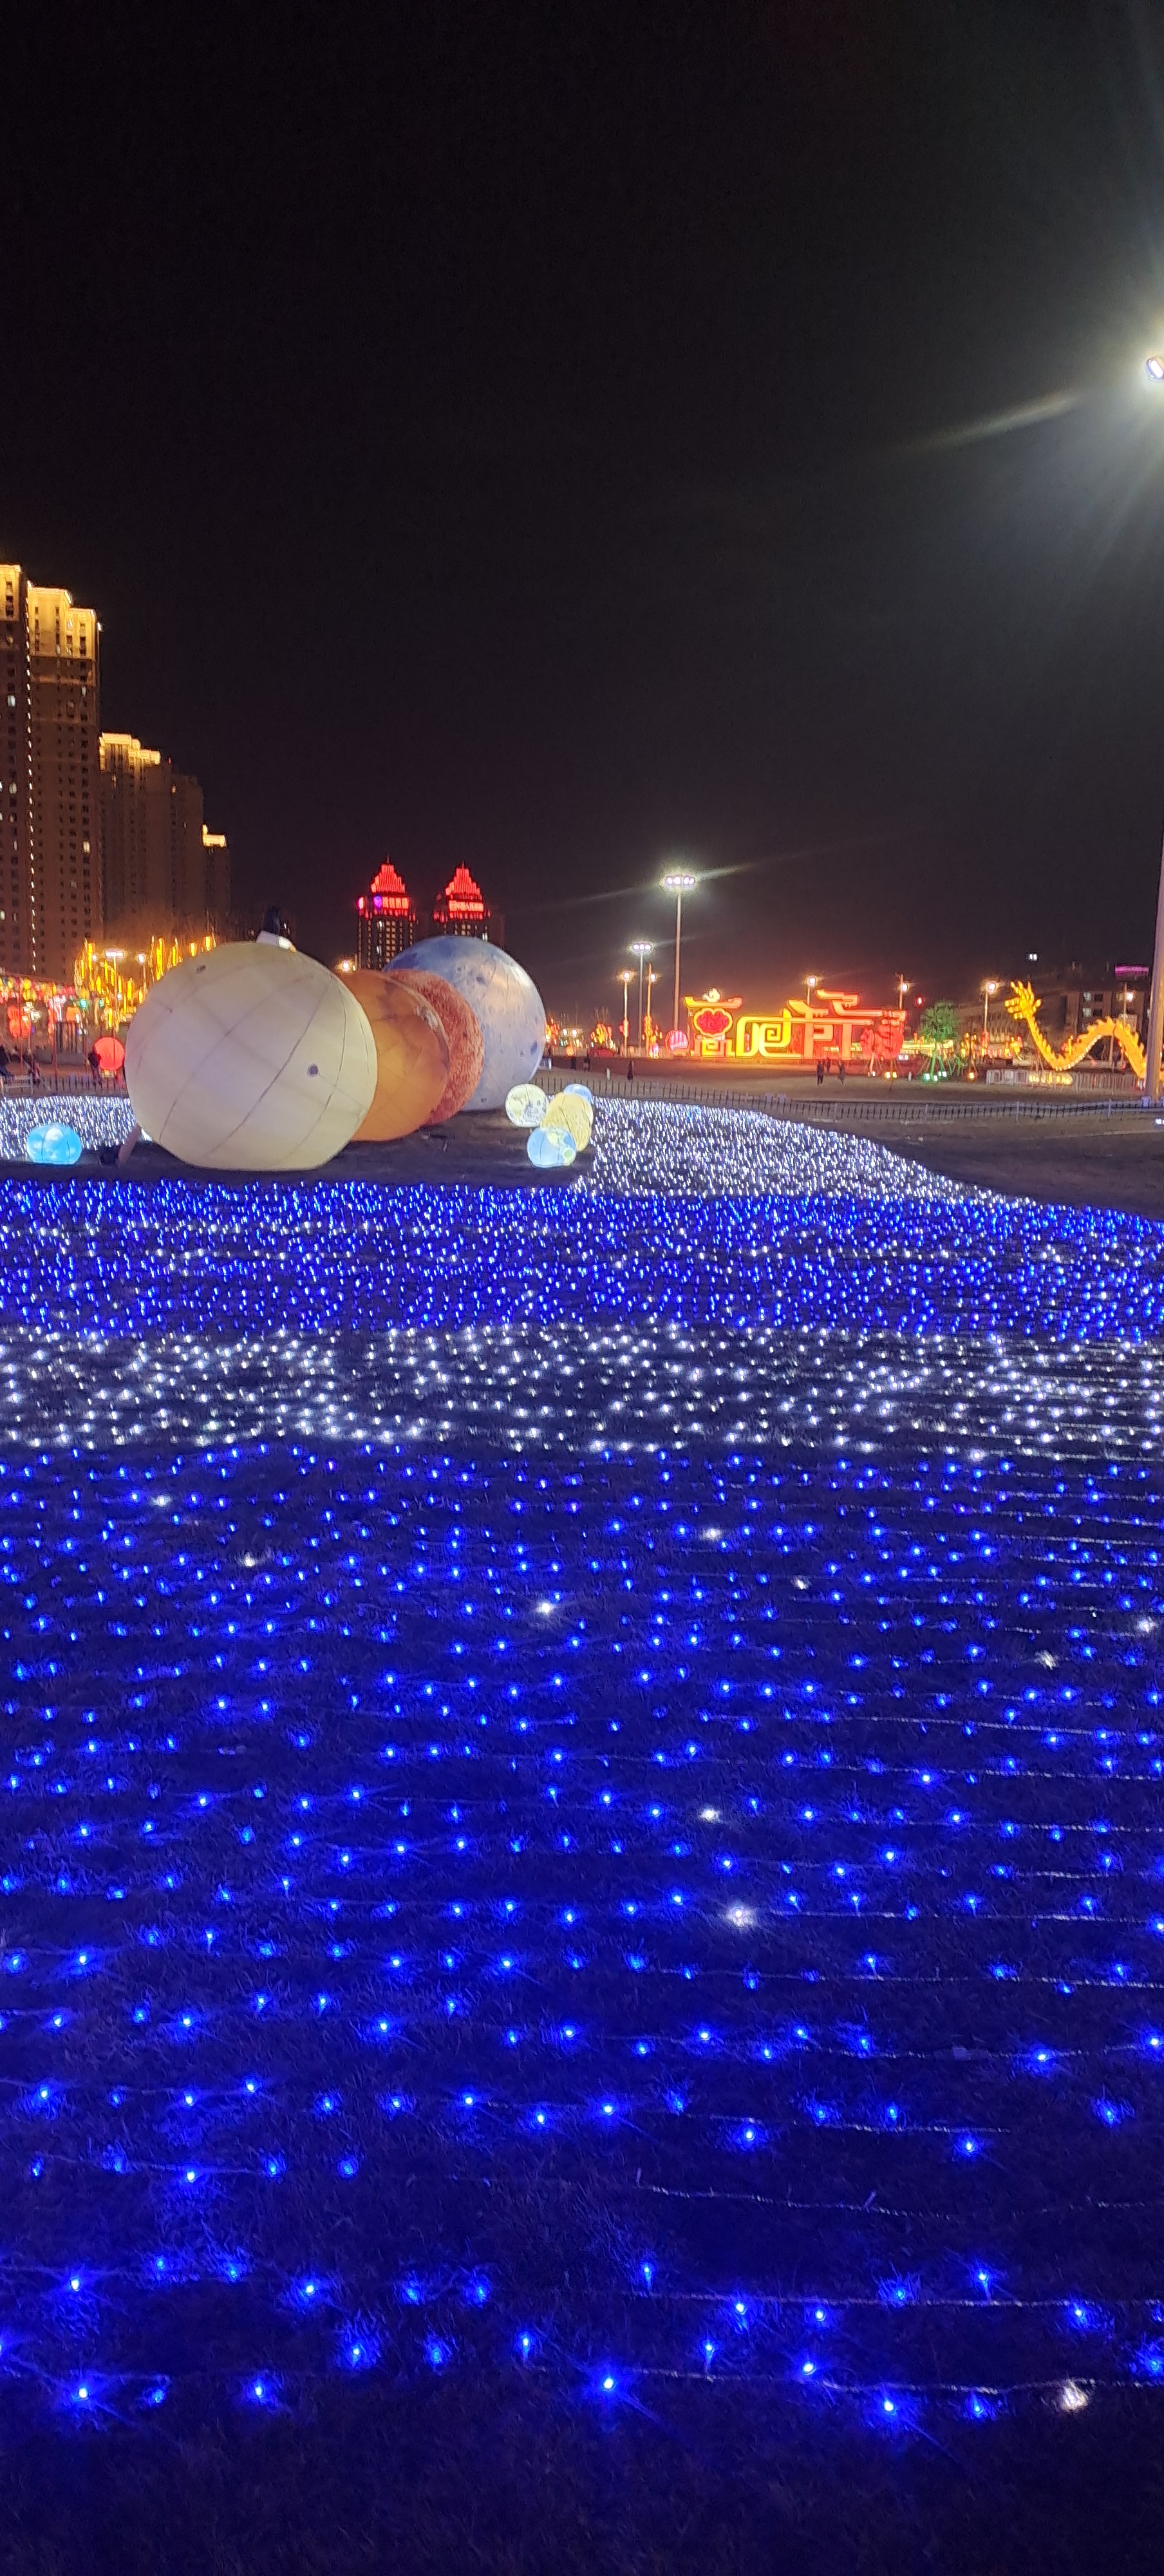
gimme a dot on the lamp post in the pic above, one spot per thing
(902, 982)
(678, 882)
(810, 983)
(987, 990)
(642, 949)
(1155, 1029)
(626, 979)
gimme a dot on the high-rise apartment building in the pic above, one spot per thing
(163, 870)
(386, 919)
(51, 891)
(461, 912)
(216, 880)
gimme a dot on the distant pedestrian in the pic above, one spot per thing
(820, 1072)
(841, 1069)
(630, 1071)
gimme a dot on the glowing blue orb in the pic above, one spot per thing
(551, 1148)
(53, 1144)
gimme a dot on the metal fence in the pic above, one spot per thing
(836, 1108)
(54, 1080)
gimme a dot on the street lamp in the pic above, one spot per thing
(810, 982)
(987, 990)
(678, 882)
(626, 979)
(902, 986)
(642, 949)
(1155, 1030)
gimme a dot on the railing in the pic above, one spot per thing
(831, 1108)
(53, 1080)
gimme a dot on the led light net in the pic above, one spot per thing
(583, 1793)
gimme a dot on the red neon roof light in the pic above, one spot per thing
(389, 892)
(463, 899)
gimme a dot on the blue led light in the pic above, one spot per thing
(817, 1838)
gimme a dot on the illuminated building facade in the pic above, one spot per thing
(161, 865)
(51, 886)
(386, 919)
(461, 912)
(832, 1025)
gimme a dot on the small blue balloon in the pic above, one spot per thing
(550, 1148)
(53, 1144)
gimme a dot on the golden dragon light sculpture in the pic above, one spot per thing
(1022, 1005)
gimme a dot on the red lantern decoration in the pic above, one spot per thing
(110, 1054)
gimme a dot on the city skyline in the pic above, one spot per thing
(97, 832)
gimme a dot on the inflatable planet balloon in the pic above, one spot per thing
(251, 1058)
(581, 1090)
(507, 1006)
(573, 1116)
(53, 1143)
(525, 1105)
(412, 1056)
(550, 1147)
(459, 1022)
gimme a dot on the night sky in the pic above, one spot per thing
(568, 438)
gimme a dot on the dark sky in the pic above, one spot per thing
(552, 438)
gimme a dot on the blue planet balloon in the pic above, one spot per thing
(508, 1007)
(551, 1148)
(53, 1144)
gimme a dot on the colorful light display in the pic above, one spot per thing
(1022, 1005)
(699, 1732)
(110, 984)
(828, 1023)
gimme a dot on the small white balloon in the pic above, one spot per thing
(525, 1105)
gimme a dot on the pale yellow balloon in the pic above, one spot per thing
(250, 1058)
(575, 1114)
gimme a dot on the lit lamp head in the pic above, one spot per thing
(679, 881)
(1154, 367)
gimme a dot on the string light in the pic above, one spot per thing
(657, 1698)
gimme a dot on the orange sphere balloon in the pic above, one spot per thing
(412, 1057)
(462, 1028)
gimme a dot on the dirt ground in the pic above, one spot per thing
(478, 1151)
(1115, 1162)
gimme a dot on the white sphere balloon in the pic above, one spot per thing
(506, 1002)
(251, 1058)
(525, 1105)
